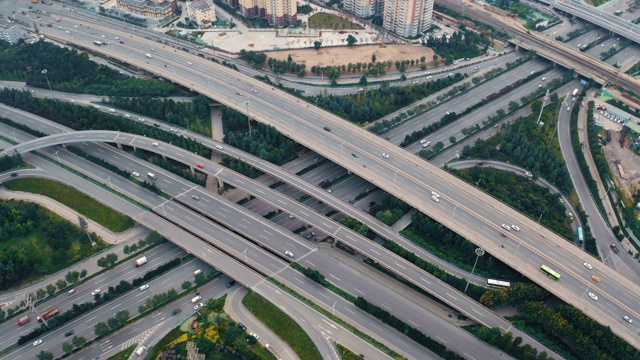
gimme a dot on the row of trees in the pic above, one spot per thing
(376, 103)
(86, 118)
(281, 66)
(70, 71)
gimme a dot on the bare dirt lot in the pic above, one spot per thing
(342, 55)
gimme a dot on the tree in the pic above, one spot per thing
(317, 45)
(78, 341)
(44, 355)
(453, 140)
(61, 284)
(51, 289)
(186, 285)
(351, 40)
(83, 274)
(363, 81)
(67, 347)
(373, 58)
(101, 329)
(72, 277)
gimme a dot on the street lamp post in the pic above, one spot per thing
(478, 183)
(48, 83)
(479, 252)
(248, 117)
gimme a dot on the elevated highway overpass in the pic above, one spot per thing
(476, 215)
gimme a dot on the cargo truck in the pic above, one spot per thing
(23, 320)
(574, 93)
(141, 261)
(48, 314)
(614, 248)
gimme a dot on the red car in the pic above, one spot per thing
(200, 166)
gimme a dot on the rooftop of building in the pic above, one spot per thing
(200, 5)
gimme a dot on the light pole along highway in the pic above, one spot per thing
(416, 177)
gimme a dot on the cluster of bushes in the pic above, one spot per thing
(525, 196)
(516, 294)
(281, 66)
(508, 344)
(193, 115)
(460, 44)
(253, 58)
(410, 331)
(10, 162)
(70, 71)
(113, 323)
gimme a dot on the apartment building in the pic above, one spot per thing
(149, 8)
(361, 8)
(276, 12)
(407, 17)
(201, 12)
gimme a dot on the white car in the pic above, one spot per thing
(506, 227)
(155, 144)
(426, 144)
(593, 296)
(219, 147)
(189, 63)
(195, 197)
(627, 319)
(254, 90)
(435, 198)
(291, 216)
(127, 115)
(96, 106)
(103, 36)
(198, 307)
(385, 155)
(141, 120)
(144, 287)
(254, 335)
(515, 227)
(37, 342)
(117, 38)
(288, 253)
(136, 174)
(75, 26)
(423, 141)
(588, 266)
(95, 292)
(433, 193)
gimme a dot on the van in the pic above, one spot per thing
(196, 299)
(70, 292)
(197, 272)
(140, 350)
(543, 79)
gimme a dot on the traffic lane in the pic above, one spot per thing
(478, 116)
(352, 315)
(84, 325)
(408, 310)
(463, 101)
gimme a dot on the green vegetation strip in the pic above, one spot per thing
(76, 200)
(282, 325)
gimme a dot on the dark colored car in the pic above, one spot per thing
(176, 311)
(327, 128)
(14, 174)
(241, 326)
(156, 125)
(480, 163)
(231, 283)
(69, 333)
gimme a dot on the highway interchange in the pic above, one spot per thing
(304, 123)
(371, 158)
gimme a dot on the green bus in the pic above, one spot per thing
(550, 273)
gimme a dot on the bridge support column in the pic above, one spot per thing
(119, 146)
(216, 134)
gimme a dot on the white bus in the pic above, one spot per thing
(497, 283)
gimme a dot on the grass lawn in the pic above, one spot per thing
(76, 200)
(329, 21)
(282, 325)
(123, 355)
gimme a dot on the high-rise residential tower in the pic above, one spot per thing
(407, 17)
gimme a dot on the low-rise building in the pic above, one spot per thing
(149, 8)
(276, 12)
(201, 12)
